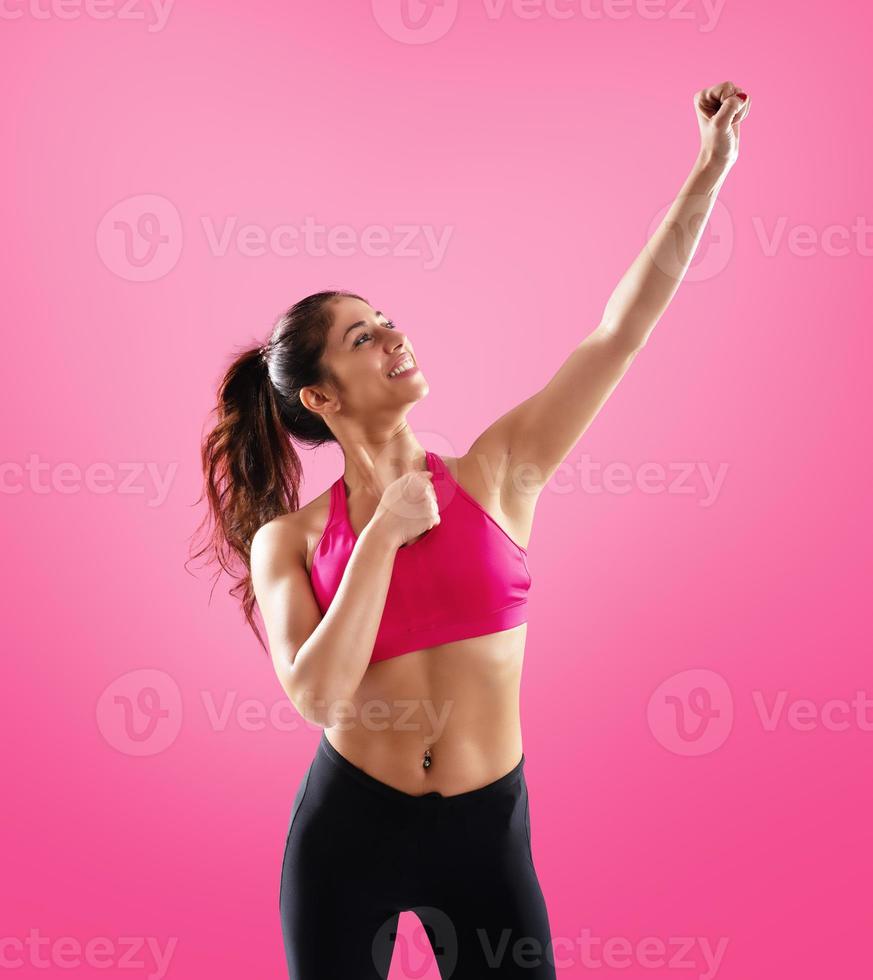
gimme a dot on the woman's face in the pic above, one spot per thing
(363, 347)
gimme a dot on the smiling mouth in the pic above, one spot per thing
(404, 367)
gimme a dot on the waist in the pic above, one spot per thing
(456, 770)
(460, 700)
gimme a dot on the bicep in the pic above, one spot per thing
(539, 433)
(284, 595)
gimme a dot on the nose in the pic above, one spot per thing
(395, 339)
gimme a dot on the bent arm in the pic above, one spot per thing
(320, 660)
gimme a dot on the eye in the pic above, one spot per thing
(389, 323)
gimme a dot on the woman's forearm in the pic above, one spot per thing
(645, 290)
(330, 665)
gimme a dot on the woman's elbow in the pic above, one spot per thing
(315, 698)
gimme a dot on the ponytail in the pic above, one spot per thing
(252, 473)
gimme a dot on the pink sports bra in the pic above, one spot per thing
(465, 577)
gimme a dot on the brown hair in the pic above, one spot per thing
(251, 470)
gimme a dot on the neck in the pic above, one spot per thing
(371, 464)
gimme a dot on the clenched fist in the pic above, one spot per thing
(720, 110)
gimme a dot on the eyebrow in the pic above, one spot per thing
(360, 323)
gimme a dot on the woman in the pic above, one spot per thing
(395, 608)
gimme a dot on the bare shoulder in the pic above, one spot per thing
(292, 536)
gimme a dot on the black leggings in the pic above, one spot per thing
(358, 852)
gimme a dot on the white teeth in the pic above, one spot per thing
(405, 365)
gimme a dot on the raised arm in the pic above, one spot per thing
(542, 430)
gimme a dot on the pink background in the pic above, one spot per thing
(547, 146)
